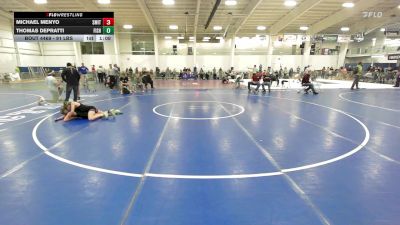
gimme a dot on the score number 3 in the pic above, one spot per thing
(108, 21)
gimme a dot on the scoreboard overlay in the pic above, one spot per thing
(63, 26)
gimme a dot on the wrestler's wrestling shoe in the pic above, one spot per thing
(114, 112)
(105, 116)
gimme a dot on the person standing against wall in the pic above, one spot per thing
(83, 70)
(214, 73)
(71, 76)
(397, 84)
(291, 73)
(94, 74)
(357, 73)
(101, 74)
(220, 73)
(117, 73)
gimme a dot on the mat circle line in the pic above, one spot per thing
(242, 110)
(22, 106)
(365, 104)
(233, 176)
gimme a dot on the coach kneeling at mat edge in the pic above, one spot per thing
(71, 76)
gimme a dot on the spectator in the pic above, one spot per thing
(125, 85)
(130, 72)
(323, 72)
(146, 79)
(291, 72)
(277, 78)
(254, 69)
(201, 74)
(214, 73)
(157, 71)
(357, 73)
(255, 80)
(101, 74)
(397, 84)
(168, 73)
(267, 80)
(195, 73)
(116, 72)
(220, 73)
(136, 71)
(83, 70)
(94, 74)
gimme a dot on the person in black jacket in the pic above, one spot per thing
(71, 76)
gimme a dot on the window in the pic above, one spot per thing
(92, 48)
(142, 44)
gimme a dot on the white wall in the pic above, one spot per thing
(165, 46)
(244, 62)
(98, 60)
(140, 61)
(286, 61)
(8, 60)
(125, 44)
(368, 59)
(31, 60)
(58, 49)
(241, 62)
(319, 61)
(210, 61)
(58, 53)
(210, 54)
(57, 61)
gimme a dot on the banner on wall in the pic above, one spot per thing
(289, 38)
(343, 38)
(392, 33)
(302, 38)
(330, 38)
(394, 57)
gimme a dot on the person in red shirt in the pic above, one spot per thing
(305, 82)
(255, 80)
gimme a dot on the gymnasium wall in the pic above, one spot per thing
(241, 62)
(8, 60)
(209, 55)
